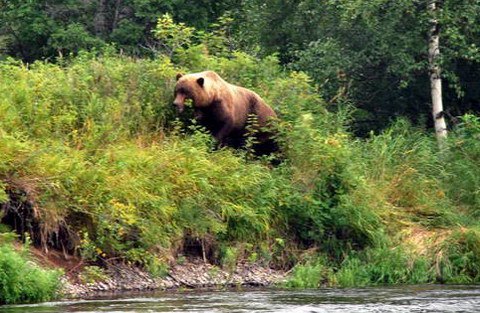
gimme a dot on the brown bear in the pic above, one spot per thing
(225, 110)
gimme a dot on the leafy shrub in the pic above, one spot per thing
(229, 258)
(92, 274)
(309, 275)
(24, 281)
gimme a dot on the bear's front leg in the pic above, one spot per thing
(198, 115)
(223, 133)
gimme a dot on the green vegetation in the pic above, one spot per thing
(94, 157)
(96, 141)
(22, 280)
(92, 274)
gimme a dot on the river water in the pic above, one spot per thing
(379, 299)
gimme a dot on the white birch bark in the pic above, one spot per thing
(435, 75)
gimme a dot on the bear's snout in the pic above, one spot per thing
(179, 106)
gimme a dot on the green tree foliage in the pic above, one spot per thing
(373, 52)
(37, 29)
(172, 36)
(23, 25)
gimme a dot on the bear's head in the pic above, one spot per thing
(193, 87)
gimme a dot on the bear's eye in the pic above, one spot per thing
(183, 91)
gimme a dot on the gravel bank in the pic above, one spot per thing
(191, 274)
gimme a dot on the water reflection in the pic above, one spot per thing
(396, 299)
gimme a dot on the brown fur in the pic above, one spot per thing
(224, 109)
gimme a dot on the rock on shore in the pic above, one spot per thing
(191, 274)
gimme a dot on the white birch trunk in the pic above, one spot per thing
(435, 78)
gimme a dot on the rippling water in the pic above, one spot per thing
(383, 299)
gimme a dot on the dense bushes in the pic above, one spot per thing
(90, 140)
(108, 171)
(23, 281)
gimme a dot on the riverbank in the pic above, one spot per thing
(106, 172)
(192, 274)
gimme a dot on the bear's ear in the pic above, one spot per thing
(179, 75)
(201, 81)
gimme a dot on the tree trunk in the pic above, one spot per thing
(100, 19)
(435, 75)
(116, 15)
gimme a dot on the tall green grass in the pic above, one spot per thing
(463, 180)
